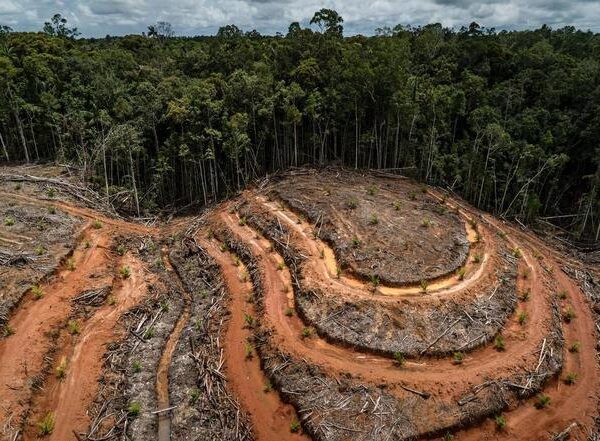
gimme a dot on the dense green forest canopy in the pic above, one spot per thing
(508, 120)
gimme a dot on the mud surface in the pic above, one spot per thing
(288, 313)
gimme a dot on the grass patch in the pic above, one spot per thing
(575, 347)
(9, 221)
(542, 401)
(7, 330)
(399, 358)
(96, 224)
(458, 357)
(70, 264)
(61, 369)
(522, 317)
(37, 292)
(124, 272)
(569, 315)
(136, 366)
(500, 421)
(46, 424)
(306, 332)
(571, 378)
(134, 409)
(289, 312)
(295, 426)
(499, 343)
(73, 327)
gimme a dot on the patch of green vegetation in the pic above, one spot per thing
(499, 343)
(136, 366)
(562, 295)
(295, 426)
(571, 378)
(39, 250)
(426, 223)
(249, 321)
(397, 205)
(424, 284)
(7, 330)
(121, 249)
(50, 192)
(46, 424)
(242, 221)
(372, 190)
(522, 317)
(96, 224)
(70, 264)
(373, 219)
(575, 347)
(124, 272)
(194, 395)
(73, 327)
(306, 332)
(51, 209)
(134, 409)
(37, 292)
(476, 258)
(61, 369)
(460, 273)
(399, 358)
(500, 421)
(458, 357)
(248, 350)
(9, 221)
(355, 242)
(289, 312)
(569, 314)
(352, 203)
(542, 401)
(525, 295)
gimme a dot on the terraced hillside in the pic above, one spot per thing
(330, 305)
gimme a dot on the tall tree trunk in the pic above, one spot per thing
(135, 192)
(4, 147)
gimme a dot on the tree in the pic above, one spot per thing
(161, 30)
(57, 27)
(330, 21)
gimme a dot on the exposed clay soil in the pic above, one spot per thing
(378, 227)
(287, 313)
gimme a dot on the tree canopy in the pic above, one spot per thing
(509, 120)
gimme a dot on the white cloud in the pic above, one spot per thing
(99, 17)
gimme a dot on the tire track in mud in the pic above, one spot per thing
(162, 373)
(271, 418)
(482, 362)
(34, 323)
(68, 398)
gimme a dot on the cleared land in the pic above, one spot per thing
(327, 305)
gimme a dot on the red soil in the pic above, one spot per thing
(270, 417)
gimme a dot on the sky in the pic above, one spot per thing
(97, 18)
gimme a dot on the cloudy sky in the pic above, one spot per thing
(193, 17)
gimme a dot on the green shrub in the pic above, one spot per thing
(134, 409)
(500, 422)
(575, 347)
(295, 426)
(458, 357)
(124, 272)
(570, 378)
(522, 317)
(9, 221)
(136, 366)
(73, 327)
(306, 332)
(96, 224)
(37, 292)
(569, 314)
(352, 204)
(542, 401)
(46, 425)
(121, 249)
(61, 369)
(289, 312)
(373, 219)
(499, 343)
(399, 358)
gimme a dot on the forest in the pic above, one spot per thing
(508, 120)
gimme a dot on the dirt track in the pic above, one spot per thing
(269, 256)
